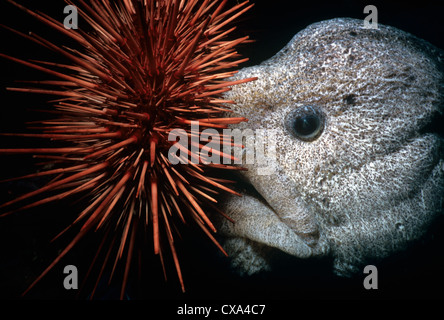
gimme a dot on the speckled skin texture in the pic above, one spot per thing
(373, 181)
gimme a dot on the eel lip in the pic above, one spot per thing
(294, 213)
(301, 223)
(257, 220)
(310, 238)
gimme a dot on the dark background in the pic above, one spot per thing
(24, 249)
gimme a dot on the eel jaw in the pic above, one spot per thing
(259, 221)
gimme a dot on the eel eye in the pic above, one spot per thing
(306, 123)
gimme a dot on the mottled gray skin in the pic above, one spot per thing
(373, 181)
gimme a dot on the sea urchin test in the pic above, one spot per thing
(357, 175)
(140, 70)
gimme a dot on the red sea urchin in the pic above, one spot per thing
(147, 68)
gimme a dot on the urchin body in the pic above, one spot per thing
(372, 181)
(143, 72)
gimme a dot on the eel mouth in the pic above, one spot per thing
(288, 227)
